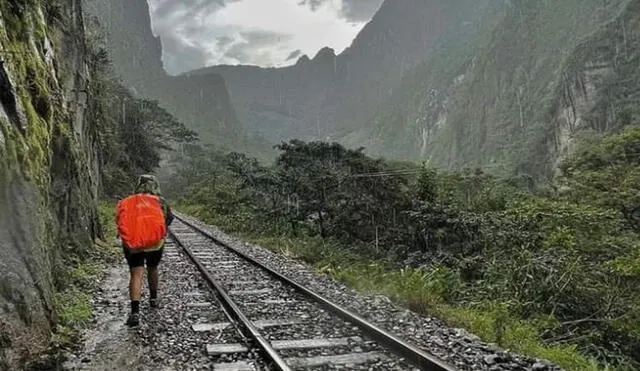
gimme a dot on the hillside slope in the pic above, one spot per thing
(203, 104)
(533, 78)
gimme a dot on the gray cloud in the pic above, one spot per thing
(166, 8)
(254, 46)
(223, 41)
(193, 36)
(183, 31)
(261, 38)
(360, 10)
(353, 10)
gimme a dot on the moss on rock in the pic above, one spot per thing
(47, 203)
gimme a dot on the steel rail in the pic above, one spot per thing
(413, 354)
(232, 308)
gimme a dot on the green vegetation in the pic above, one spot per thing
(74, 308)
(26, 29)
(132, 132)
(73, 304)
(107, 216)
(548, 272)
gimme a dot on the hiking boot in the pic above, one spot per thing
(133, 320)
(153, 303)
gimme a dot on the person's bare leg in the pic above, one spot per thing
(135, 291)
(135, 284)
(153, 280)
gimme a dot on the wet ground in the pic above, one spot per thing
(164, 340)
(110, 344)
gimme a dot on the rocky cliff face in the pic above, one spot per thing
(137, 54)
(48, 170)
(517, 91)
(599, 85)
(201, 104)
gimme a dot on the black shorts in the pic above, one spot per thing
(139, 259)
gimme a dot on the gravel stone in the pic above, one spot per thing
(312, 321)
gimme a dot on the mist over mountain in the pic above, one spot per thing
(504, 85)
(328, 94)
(203, 103)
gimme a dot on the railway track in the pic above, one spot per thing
(268, 321)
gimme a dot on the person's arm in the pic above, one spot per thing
(168, 214)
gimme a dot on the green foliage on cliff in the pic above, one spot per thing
(505, 97)
(132, 132)
(41, 158)
(52, 159)
(22, 48)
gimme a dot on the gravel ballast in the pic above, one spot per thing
(301, 318)
(165, 339)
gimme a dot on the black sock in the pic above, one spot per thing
(135, 306)
(153, 293)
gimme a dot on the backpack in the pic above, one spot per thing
(141, 221)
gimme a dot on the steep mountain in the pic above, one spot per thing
(326, 95)
(49, 172)
(503, 85)
(513, 96)
(203, 104)
(319, 97)
(137, 56)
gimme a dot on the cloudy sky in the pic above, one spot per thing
(198, 33)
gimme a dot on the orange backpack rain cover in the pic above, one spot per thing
(141, 221)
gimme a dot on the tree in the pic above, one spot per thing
(346, 193)
(132, 132)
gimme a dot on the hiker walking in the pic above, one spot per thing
(143, 219)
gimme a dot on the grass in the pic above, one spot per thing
(512, 333)
(107, 216)
(425, 292)
(74, 308)
(73, 305)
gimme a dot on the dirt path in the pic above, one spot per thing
(164, 340)
(110, 344)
